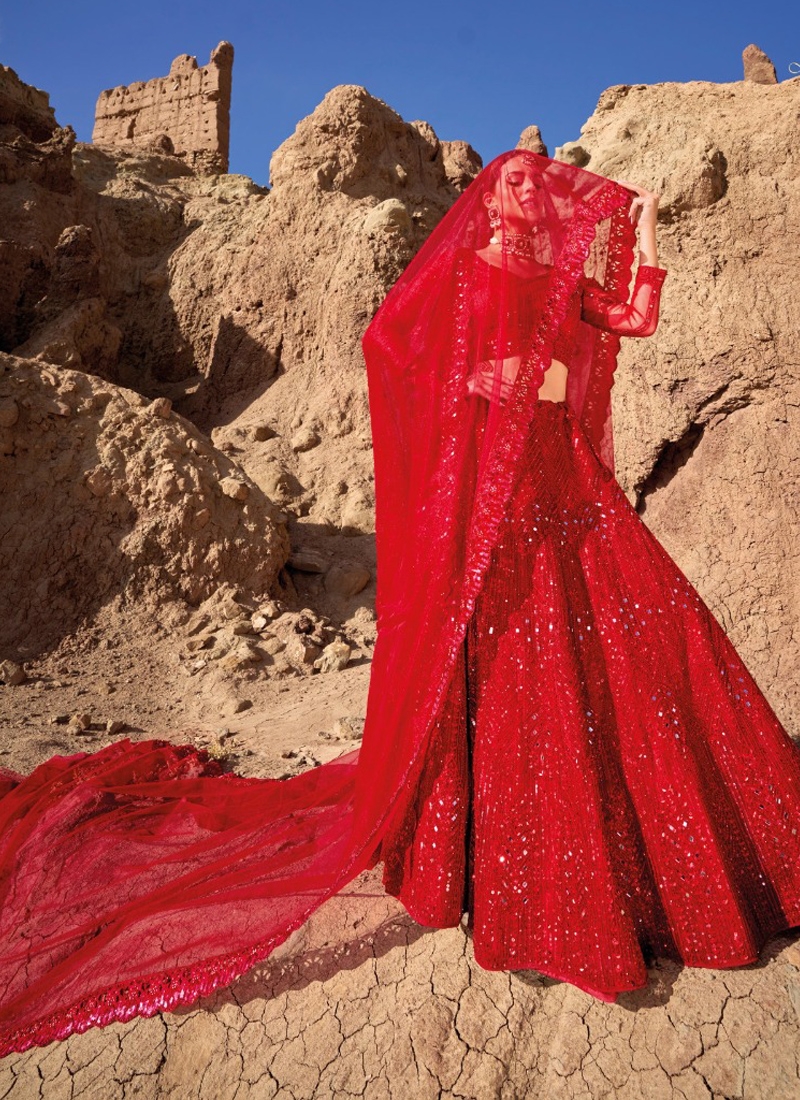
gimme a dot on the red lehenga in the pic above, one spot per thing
(625, 791)
(560, 739)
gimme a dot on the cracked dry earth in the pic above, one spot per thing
(404, 1013)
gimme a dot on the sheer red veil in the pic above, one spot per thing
(140, 877)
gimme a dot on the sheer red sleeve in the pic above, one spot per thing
(637, 317)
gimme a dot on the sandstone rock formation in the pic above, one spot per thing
(531, 139)
(213, 296)
(102, 486)
(33, 149)
(186, 113)
(757, 66)
(25, 108)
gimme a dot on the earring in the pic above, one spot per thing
(495, 222)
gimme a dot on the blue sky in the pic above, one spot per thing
(479, 71)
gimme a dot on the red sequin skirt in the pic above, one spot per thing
(605, 784)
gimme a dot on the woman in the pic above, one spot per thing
(624, 790)
(559, 739)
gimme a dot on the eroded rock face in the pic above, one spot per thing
(757, 66)
(707, 410)
(186, 114)
(110, 498)
(209, 290)
(25, 108)
(531, 139)
(274, 324)
(34, 149)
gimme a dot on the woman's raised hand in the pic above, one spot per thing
(645, 206)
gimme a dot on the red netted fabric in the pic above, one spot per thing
(636, 317)
(138, 877)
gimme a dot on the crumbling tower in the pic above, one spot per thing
(186, 113)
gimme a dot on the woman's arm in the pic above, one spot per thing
(644, 208)
(639, 316)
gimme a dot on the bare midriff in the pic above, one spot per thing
(554, 380)
(554, 384)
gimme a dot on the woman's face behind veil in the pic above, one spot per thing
(517, 193)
